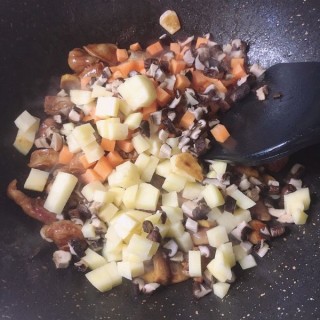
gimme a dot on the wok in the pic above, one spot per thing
(35, 39)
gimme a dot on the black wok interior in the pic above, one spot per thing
(35, 37)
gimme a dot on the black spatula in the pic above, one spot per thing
(262, 131)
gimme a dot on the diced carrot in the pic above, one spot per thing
(148, 110)
(200, 82)
(114, 158)
(65, 155)
(163, 97)
(122, 55)
(103, 168)
(235, 61)
(187, 120)
(125, 145)
(128, 66)
(154, 49)
(220, 133)
(238, 71)
(200, 41)
(90, 175)
(175, 47)
(107, 145)
(87, 118)
(176, 66)
(85, 163)
(84, 82)
(182, 82)
(135, 47)
(116, 75)
(180, 55)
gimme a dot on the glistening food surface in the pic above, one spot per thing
(123, 191)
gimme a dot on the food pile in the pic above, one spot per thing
(123, 192)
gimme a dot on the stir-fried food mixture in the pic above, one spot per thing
(125, 189)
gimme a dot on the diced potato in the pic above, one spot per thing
(88, 230)
(89, 189)
(125, 108)
(126, 175)
(163, 168)
(100, 279)
(60, 192)
(242, 215)
(225, 251)
(117, 195)
(142, 162)
(112, 130)
(138, 215)
(106, 277)
(125, 226)
(99, 91)
(133, 120)
(239, 252)
(36, 180)
(247, 262)
(130, 269)
(149, 170)
(107, 107)
(185, 242)
(163, 229)
(192, 190)
(219, 167)
(295, 203)
(214, 214)
(25, 121)
(93, 259)
(170, 199)
(73, 144)
(176, 230)
(138, 91)
(67, 128)
(219, 270)
(299, 217)
(103, 196)
(147, 197)
(212, 196)
(140, 143)
(81, 96)
(154, 218)
(84, 134)
(107, 212)
(129, 196)
(194, 263)
(174, 182)
(155, 145)
(243, 201)
(220, 289)
(217, 236)
(141, 247)
(170, 21)
(93, 151)
(227, 220)
(174, 214)
(113, 256)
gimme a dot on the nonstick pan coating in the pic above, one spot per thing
(35, 38)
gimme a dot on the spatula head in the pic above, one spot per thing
(262, 131)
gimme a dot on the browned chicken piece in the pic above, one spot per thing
(33, 207)
(61, 232)
(44, 159)
(54, 105)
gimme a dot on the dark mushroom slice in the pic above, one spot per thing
(62, 232)
(200, 238)
(105, 52)
(145, 128)
(230, 204)
(47, 126)
(70, 82)
(161, 272)
(78, 59)
(154, 235)
(277, 165)
(33, 207)
(260, 211)
(200, 290)
(45, 159)
(54, 105)
(277, 231)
